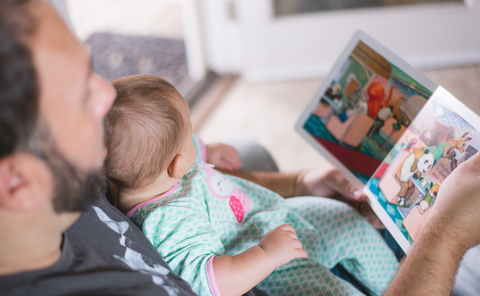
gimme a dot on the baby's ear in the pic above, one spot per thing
(175, 168)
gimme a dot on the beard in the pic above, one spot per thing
(74, 189)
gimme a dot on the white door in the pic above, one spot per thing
(278, 44)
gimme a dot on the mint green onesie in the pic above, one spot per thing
(208, 214)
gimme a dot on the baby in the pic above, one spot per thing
(222, 234)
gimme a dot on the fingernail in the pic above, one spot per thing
(357, 194)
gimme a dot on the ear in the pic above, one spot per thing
(465, 134)
(175, 169)
(468, 139)
(23, 183)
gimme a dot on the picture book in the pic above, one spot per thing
(391, 131)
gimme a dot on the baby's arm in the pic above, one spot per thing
(235, 275)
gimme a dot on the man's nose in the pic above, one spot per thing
(106, 96)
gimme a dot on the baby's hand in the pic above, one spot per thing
(223, 156)
(282, 245)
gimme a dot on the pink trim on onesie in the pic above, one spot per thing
(212, 283)
(203, 150)
(166, 194)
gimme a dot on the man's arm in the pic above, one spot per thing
(325, 182)
(451, 229)
(284, 184)
(430, 267)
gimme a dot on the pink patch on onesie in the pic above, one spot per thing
(237, 208)
(240, 203)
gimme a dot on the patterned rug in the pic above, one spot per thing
(115, 56)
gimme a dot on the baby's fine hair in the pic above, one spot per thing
(144, 130)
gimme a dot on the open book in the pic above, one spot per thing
(391, 131)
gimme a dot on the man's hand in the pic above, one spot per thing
(223, 156)
(450, 230)
(331, 183)
(282, 245)
(456, 210)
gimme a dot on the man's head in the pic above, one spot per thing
(149, 125)
(51, 116)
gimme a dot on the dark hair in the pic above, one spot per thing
(145, 130)
(19, 90)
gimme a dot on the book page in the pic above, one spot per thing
(404, 188)
(363, 107)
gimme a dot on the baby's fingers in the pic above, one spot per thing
(300, 253)
(287, 227)
(236, 159)
(232, 156)
(225, 164)
(232, 165)
(296, 243)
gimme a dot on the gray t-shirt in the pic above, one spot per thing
(103, 253)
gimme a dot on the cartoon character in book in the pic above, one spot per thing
(418, 163)
(430, 196)
(240, 203)
(446, 150)
(385, 113)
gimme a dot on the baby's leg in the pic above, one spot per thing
(344, 237)
(309, 278)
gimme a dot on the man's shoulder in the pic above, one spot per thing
(103, 253)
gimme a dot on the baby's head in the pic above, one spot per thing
(149, 133)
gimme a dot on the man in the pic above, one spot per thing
(51, 153)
